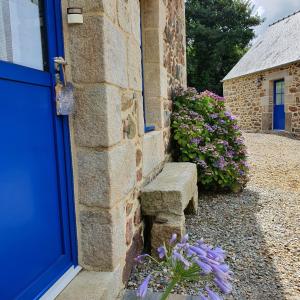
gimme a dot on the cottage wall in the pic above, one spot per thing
(250, 98)
(113, 157)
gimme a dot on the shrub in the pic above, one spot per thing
(206, 134)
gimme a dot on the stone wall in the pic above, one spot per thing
(112, 155)
(175, 44)
(250, 98)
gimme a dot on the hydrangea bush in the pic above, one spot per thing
(186, 262)
(206, 134)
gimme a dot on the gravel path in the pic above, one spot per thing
(260, 228)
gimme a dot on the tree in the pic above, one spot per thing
(218, 35)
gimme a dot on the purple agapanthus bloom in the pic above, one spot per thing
(202, 297)
(223, 285)
(184, 238)
(198, 250)
(140, 259)
(142, 290)
(217, 254)
(161, 252)
(212, 295)
(179, 257)
(173, 238)
(206, 268)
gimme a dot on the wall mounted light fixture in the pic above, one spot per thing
(75, 15)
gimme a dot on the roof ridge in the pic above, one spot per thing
(296, 12)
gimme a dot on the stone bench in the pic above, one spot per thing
(167, 198)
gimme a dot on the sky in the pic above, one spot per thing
(273, 10)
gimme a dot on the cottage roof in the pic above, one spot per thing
(278, 46)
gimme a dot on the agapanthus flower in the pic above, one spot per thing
(161, 252)
(179, 257)
(184, 238)
(224, 285)
(206, 268)
(217, 254)
(212, 295)
(173, 238)
(142, 290)
(140, 258)
(198, 250)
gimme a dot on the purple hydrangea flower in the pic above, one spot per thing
(214, 116)
(221, 163)
(201, 163)
(196, 141)
(161, 252)
(142, 290)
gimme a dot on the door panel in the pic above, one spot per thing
(35, 224)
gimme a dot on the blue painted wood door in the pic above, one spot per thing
(279, 114)
(35, 202)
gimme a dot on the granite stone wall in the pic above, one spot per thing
(113, 157)
(250, 98)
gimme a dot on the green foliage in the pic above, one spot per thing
(218, 35)
(206, 134)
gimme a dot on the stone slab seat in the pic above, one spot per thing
(171, 194)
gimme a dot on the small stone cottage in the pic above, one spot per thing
(263, 89)
(70, 216)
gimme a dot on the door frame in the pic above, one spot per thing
(66, 139)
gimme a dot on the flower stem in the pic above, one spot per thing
(169, 289)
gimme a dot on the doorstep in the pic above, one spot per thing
(90, 285)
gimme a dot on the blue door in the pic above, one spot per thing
(35, 192)
(279, 114)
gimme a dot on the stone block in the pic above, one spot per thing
(90, 285)
(153, 151)
(136, 20)
(106, 177)
(97, 121)
(267, 121)
(140, 115)
(161, 233)
(102, 238)
(107, 7)
(124, 15)
(98, 52)
(134, 65)
(154, 112)
(153, 48)
(155, 81)
(171, 191)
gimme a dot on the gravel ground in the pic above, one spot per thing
(259, 228)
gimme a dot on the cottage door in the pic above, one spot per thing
(35, 227)
(279, 114)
